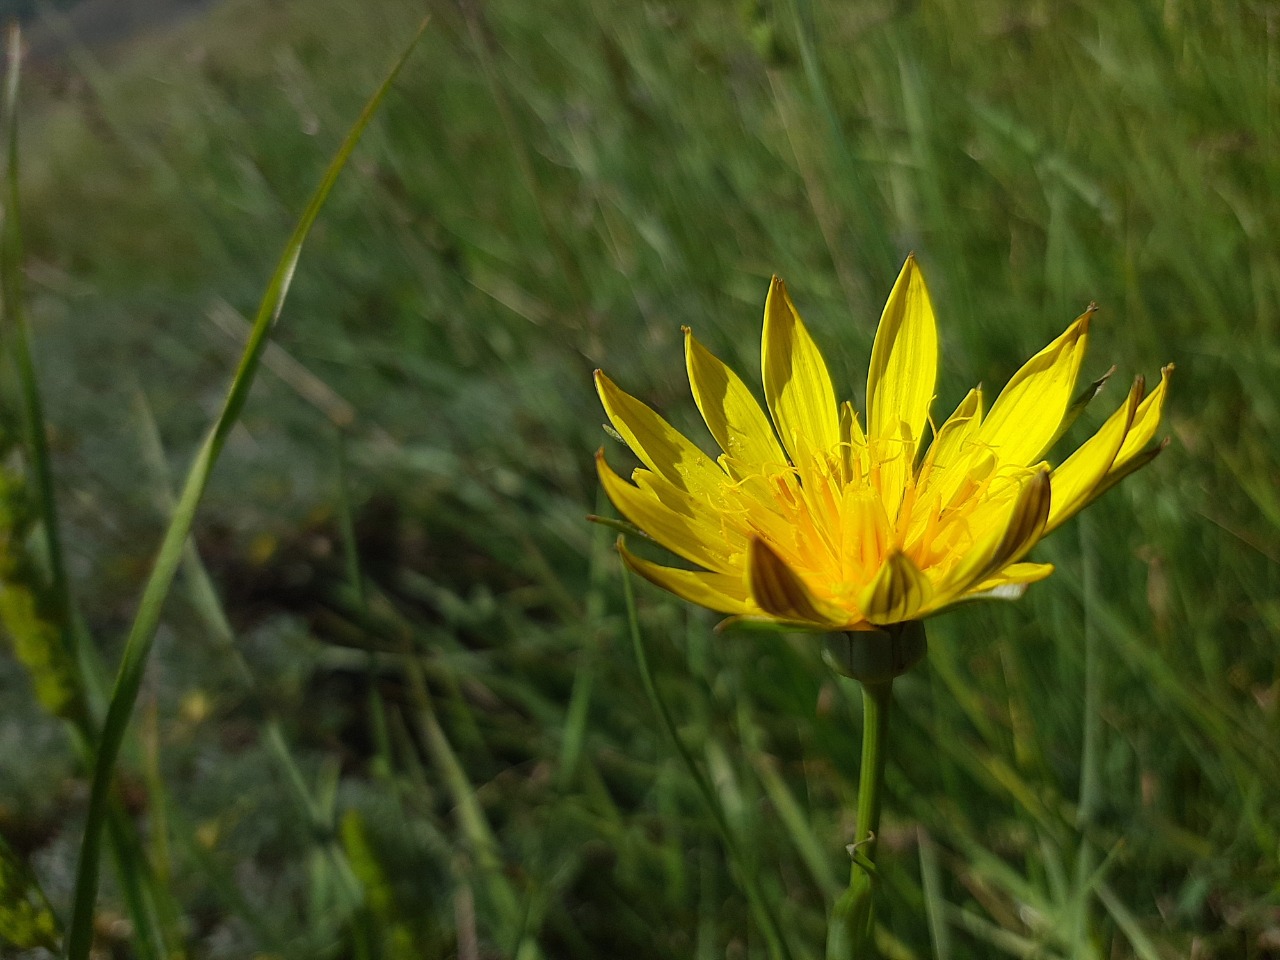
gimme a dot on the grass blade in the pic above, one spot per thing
(142, 633)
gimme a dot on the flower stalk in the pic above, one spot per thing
(874, 659)
(851, 933)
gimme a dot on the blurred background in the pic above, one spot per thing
(435, 743)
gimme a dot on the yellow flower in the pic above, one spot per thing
(815, 523)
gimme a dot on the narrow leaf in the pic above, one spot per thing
(142, 633)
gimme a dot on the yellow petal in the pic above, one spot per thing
(1026, 526)
(1011, 533)
(660, 447)
(1132, 456)
(955, 433)
(854, 462)
(894, 458)
(1015, 575)
(1010, 584)
(780, 592)
(1025, 417)
(680, 533)
(953, 455)
(715, 591)
(1076, 479)
(898, 592)
(865, 533)
(1133, 465)
(797, 387)
(904, 360)
(1145, 422)
(732, 414)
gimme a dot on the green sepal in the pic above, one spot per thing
(1078, 404)
(876, 656)
(1133, 466)
(627, 529)
(754, 624)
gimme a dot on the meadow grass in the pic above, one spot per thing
(394, 710)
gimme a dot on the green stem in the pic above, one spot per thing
(876, 698)
(849, 936)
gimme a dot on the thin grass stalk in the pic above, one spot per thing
(1090, 776)
(471, 818)
(777, 946)
(142, 633)
(485, 44)
(382, 763)
(934, 900)
(143, 896)
(876, 251)
(578, 712)
(12, 301)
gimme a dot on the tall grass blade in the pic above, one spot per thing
(935, 903)
(1086, 810)
(142, 633)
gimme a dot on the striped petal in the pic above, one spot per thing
(715, 591)
(904, 360)
(1145, 422)
(1025, 417)
(898, 593)
(1076, 479)
(731, 412)
(1011, 535)
(797, 386)
(780, 592)
(1132, 456)
(683, 535)
(660, 446)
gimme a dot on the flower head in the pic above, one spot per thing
(815, 522)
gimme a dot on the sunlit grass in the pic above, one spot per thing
(466, 761)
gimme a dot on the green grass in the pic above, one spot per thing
(444, 747)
